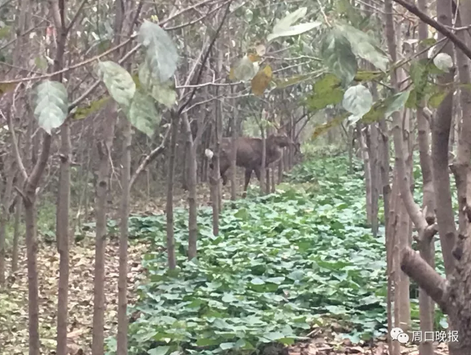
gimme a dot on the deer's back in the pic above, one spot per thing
(249, 151)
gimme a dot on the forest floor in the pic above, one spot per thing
(322, 339)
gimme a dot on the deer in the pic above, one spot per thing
(249, 154)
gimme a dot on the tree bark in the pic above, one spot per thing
(172, 262)
(102, 186)
(122, 338)
(440, 140)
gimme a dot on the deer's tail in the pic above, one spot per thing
(209, 154)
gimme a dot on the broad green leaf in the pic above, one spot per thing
(161, 53)
(206, 342)
(327, 91)
(338, 56)
(227, 346)
(40, 62)
(257, 281)
(94, 106)
(365, 47)
(118, 81)
(443, 61)
(261, 81)
(357, 100)
(386, 107)
(364, 75)
(160, 350)
(142, 114)
(274, 336)
(322, 128)
(282, 83)
(162, 92)
(428, 42)
(345, 7)
(396, 102)
(294, 30)
(284, 27)
(419, 71)
(4, 88)
(436, 99)
(50, 101)
(289, 19)
(244, 70)
(4, 32)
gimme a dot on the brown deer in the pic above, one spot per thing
(249, 154)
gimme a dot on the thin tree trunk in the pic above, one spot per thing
(234, 136)
(10, 175)
(367, 168)
(102, 186)
(440, 139)
(16, 237)
(190, 147)
(122, 339)
(426, 247)
(172, 262)
(62, 227)
(264, 159)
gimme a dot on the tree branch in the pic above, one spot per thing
(205, 58)
(437, 25)
(425, 276)
(152, 155)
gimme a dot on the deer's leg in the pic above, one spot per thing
(257, 173)
(248, 175)
(224, 171)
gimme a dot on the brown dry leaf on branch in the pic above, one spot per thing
(14, 315)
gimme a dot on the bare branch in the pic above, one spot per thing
(425, 276)
(14, 140)
(205, 58)
(437, 25)
(74, 19)
(151, 157)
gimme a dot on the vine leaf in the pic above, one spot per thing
(261, 81)
(51, 104)
(118, 81)
(161, 53)
(143, 114)
(337, 54)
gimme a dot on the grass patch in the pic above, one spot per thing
(282, 263)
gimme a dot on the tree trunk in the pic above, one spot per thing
(440, 139)
(29, 201)
(16, 237)
(264, 158)
(62, 228)
(234, 135)
(102, 186)
(122, 338)
(190, 147)
(172, 262)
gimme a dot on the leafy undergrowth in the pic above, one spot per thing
(14, 299)
(282, 265)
